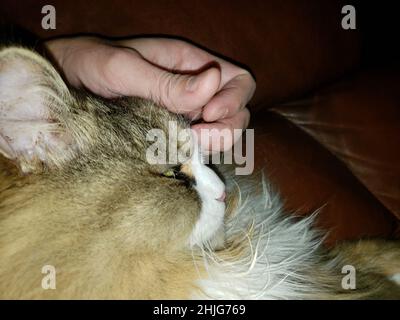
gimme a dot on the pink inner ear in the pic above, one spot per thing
(30, 138)
(25, 127)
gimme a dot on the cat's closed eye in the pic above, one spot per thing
(180, 172)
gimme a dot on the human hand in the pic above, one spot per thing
(180, 76)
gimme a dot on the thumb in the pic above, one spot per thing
(128, 73)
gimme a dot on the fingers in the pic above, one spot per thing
(143, 67)
(232, 98)
(225, 110)
(127, 73)
(172, 54)
(221, 135)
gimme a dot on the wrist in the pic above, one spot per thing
(69, 54)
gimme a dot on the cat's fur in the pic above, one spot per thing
(76, 192)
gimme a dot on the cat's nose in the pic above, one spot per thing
(222, 197)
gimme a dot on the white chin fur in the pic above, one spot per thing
(209, 228)
(277, 255)
(396, 278)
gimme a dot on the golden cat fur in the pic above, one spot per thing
(77, 193)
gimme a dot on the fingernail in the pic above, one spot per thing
(192, 83)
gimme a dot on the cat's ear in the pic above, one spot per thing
(34, 102)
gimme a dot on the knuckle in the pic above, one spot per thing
(249, 78)
(113, 59)
(112, 64)
(165, 86)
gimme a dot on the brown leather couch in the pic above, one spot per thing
(327, 106)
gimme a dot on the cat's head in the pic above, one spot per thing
(75, 141)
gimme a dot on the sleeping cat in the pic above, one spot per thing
(77, 194)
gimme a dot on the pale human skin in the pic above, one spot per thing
(182, 77)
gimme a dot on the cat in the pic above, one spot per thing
(78, 194)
